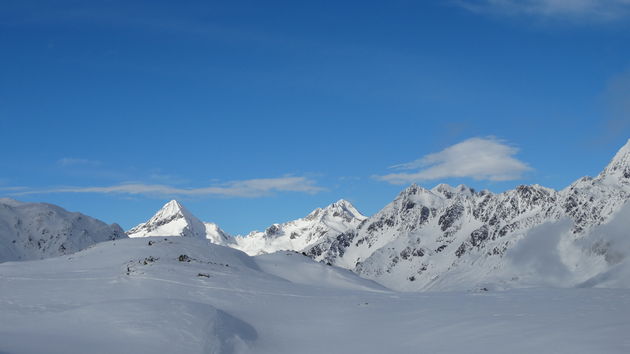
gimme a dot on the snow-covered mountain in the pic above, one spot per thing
(36, 230)
(321, 224)
(297, 235)
(456, 237)
(173, 219)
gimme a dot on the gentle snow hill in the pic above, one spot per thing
(179, 294)
(300, 269)
(38, 230)
(173, 219)
(297, 235)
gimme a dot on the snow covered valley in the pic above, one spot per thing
(186, 295)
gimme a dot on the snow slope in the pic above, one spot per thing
(178, 294)
(300, 269)
(38, 230)
(173, 219)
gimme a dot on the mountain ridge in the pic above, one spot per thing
(30, 231)
(419, 241)
(423, 235)
(297, 235)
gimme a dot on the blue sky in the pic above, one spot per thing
(256, 112)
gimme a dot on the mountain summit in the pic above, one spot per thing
(318, 226)
(619, 167)
(173, 219)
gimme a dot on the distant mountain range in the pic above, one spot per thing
(437, 238)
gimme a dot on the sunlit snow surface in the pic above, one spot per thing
(195, 297)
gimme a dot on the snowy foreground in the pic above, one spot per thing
(181, 295)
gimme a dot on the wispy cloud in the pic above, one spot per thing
(71, 161)
(478, 158)
(251, 188)
(13, 189)
(592, 10)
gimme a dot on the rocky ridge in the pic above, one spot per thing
(423, 235)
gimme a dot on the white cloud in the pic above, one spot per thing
(478, 158)
(246, 188)
(600, 10)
